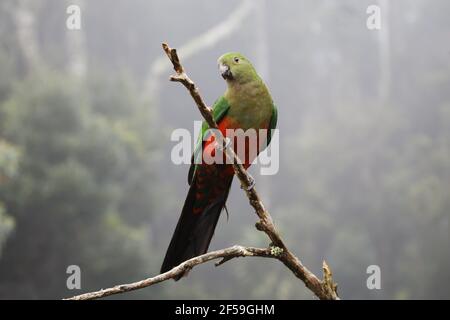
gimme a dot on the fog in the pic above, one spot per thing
(86, 116)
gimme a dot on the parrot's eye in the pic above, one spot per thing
(236, 59)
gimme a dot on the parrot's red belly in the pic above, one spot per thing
(246, 144)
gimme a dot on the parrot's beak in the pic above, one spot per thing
(225, 71)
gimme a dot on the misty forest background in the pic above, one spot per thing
(86, 118)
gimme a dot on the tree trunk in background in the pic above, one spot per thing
(24, 17)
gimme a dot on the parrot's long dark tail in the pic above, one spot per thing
(196, 227)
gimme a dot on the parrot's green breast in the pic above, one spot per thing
(251, 105)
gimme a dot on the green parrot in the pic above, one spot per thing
(246, 104)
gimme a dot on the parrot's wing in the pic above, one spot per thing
(273, 123)
(220, 109)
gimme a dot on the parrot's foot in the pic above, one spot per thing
(226, 210)
(251, 185)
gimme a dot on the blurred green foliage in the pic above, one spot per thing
(71, 194)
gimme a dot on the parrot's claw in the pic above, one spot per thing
(251, 185)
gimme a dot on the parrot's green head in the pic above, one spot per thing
(235, 68)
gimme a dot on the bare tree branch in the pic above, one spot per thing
(324, 289)
(226, 255)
